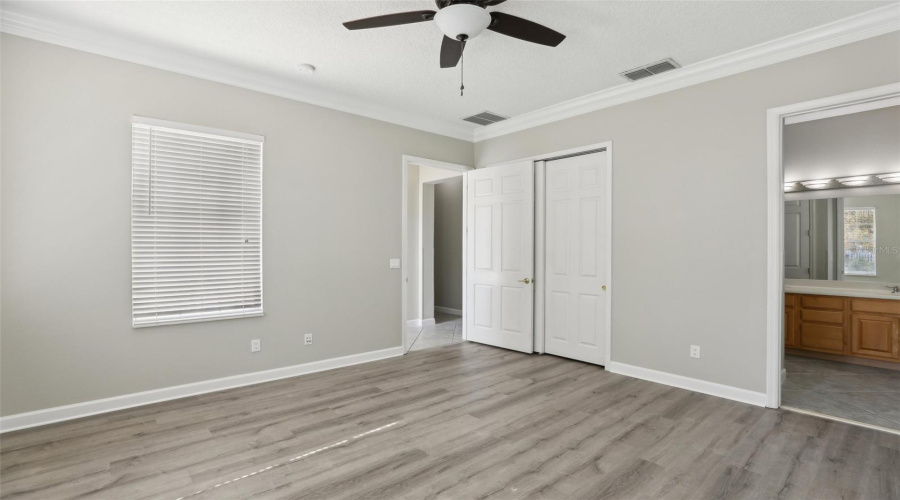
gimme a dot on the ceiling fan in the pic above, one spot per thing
(463, 20)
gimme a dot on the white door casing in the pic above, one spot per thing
(577, 241)
(796, 239)
(500, 256)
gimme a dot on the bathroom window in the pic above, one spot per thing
(859, 241)
(196, 223)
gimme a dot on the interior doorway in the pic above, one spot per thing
(834, 258)
(432, 263)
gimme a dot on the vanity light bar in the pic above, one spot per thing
(860, 180)
(856, 181)
(819, 184)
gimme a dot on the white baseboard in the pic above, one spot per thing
(420, 322)
(447, 310)
(691, 384)
(78, 410)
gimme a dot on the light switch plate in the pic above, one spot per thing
(395, 263)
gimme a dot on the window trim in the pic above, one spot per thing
(198, 129)
(211, 132)
(874, 241)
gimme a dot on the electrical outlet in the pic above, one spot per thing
(255, 345)
(307, 339)
(695, 351)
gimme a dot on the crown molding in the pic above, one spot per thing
(852, 29)
(171, 60)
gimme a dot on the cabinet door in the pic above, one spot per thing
(825, 338)
(875, 336)
(790, 328)
(822, 302)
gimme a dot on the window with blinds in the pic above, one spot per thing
(196, 223)
(859, 242)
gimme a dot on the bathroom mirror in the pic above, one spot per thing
(849, 238)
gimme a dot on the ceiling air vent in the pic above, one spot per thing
(650, 69)
(485, 118)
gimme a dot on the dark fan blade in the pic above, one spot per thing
(491, 3)
(523, 29)
(451, 52)
(417, 16)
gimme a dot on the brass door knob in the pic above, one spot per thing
(604, 288)
(526, 281)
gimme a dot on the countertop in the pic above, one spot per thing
(835, 289)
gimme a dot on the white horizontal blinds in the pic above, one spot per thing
(196, 226)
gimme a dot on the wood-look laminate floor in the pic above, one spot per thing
(457, 422)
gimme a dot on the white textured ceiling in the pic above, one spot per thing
(398, 67)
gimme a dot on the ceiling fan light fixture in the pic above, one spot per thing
(462, 19)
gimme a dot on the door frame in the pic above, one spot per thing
(540, 204)
(775, 224)
(408, 160)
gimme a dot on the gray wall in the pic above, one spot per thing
(427, 229)
(448, 216)
(332, 184)
(689, 206)
(843, 146)
(688, 269)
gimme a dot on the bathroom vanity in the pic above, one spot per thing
(859, 324)
(841, 267)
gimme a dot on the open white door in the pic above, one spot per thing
(576, 302)
(500, 256)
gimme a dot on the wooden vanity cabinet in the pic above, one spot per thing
(847, 326)
(875, 329)
(874, 336)
(790, 320)
(822, 324)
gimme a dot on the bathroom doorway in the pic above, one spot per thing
(837, 294)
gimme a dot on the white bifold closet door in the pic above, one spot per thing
(500, 256)
(577, 245)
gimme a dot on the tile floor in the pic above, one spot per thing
(446, 330)
(862, 393)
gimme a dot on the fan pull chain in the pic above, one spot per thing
(462, 71)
